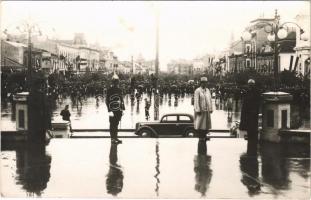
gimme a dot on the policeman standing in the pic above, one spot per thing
(115, 105)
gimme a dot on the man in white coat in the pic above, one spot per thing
(202, 109)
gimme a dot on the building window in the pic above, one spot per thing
(248, 63)
(248, 48)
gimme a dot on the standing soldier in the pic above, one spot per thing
(115, 105)
(202, 109)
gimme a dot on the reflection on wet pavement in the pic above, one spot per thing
(249, 170)
(203, 173)
(114, 181)
(33, 169)
(275, 168)
(155, 168)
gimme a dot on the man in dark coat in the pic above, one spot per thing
(65, 113)
(115, 105)
(249, 117)
(39, 111)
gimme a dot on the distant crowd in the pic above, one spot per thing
(81, 86)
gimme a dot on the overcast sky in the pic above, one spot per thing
(187, 29)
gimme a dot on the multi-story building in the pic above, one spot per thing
(106, 60)
(143, 66)
(12, 55)
(73, 55)
(69, 58)
(89, 59)
(180, 67)
(303, 47)
(258, 52)
(124, 67)
(198, 66)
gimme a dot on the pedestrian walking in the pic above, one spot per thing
(65, 113)
(115, 105)
(147, 107)
(202, 109)
(249, 116)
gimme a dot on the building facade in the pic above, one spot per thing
(180, 67)
(12, 55)
(303, 47)
(258, 53)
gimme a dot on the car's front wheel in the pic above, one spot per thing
(145, 133)
(190, 133)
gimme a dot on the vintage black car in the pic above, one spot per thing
(170, 124)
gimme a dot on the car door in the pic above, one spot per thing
(168, 125)
(184, 121)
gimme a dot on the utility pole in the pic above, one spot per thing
(157, 45)
(156, 95)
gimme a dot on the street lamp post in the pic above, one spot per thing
(30, 29)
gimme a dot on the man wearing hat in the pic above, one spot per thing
(202, 109)
(249, 117)
(115, 105)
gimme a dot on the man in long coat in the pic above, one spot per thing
(202, 109)
(249, 117)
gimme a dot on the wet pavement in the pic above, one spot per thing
(155, 168)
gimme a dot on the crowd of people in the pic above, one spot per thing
(87, 85)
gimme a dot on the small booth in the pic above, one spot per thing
(21, 111)
(275, 115)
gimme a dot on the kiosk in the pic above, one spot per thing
(275, 115)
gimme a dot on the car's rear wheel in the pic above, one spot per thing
(145, 133)
(190, 133)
